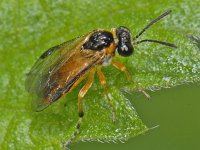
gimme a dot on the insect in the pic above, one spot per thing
(61, 68)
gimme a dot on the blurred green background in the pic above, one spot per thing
(28, 28)
(175, 110)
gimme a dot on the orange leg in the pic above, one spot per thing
(103, 82)
(122, 68)
(83, 91)
(81, 94)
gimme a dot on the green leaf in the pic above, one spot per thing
(28, 28)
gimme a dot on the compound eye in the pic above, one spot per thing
(125, 46)
(99, 40)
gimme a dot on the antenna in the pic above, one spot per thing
(156, 41)
(148, 26)
(152, 22)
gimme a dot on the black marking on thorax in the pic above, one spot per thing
(98, 41)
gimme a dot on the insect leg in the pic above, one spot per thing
(83, 91)
(103, 82)
(122, 68)
(81, 94)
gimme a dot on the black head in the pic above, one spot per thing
(124, 47)
(126, 42)
(99, 40)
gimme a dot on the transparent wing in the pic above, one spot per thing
(57, 70)
(49, 61)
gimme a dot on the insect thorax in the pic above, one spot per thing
(98, 41)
